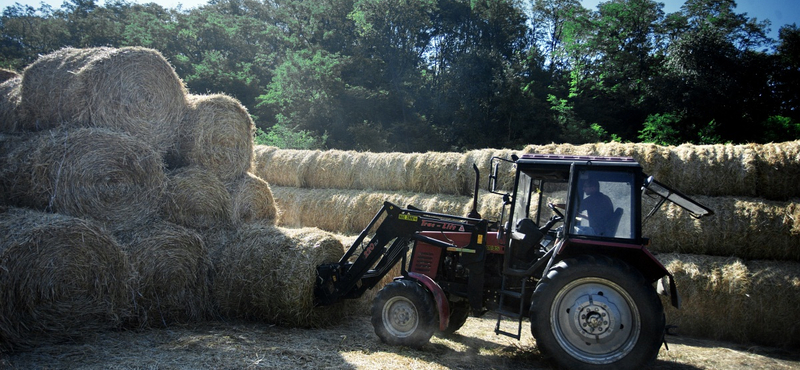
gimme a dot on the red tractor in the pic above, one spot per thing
(567, 253)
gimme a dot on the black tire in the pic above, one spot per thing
(459, 312)
(404, 313)
(595, 312)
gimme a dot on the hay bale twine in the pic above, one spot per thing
(61, 278)
(196, 198)
(10, 114)
(174, 273)
(252, 200)
(108, 176)
(217, 134)
(131, 89)
(267, 273)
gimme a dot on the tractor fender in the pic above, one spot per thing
(637, 256)
(442, 305)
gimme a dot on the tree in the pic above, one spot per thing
(715, 74)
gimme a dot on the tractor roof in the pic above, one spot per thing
(568, 160)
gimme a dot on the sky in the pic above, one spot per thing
(779, 12)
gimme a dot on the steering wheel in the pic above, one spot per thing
(555, 210)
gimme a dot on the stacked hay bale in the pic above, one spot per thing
(734, 259)
(120, 190)
(61, 277)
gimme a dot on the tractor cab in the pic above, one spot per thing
(580, 205)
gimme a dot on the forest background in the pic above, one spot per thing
(455, 75)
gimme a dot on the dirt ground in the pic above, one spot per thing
(351, 344)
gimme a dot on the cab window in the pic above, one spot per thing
(603, 203)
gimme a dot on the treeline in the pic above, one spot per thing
(453, 75)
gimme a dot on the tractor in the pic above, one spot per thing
(567, 253)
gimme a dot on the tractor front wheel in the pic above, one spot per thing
(459, 313)
(404, 313)
(595, 312)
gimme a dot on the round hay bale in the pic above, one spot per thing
(749, 228)
(252, 200)
(217, 134)
(8, 143)
(131, 89)
(439, 173)
(262, 154)
(196, 198)
(769, 170)
(7, 74)
(61, 278)
(10, 115)
(97, 173)
(731, 169)
(268, 274)
(332, 169)
(286, 167)
(778, 167)
(173, 267)
(350, 211)
(725, 298)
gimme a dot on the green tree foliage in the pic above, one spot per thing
(403, 75)
(287, 138)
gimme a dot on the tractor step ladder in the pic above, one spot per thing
(503, 311)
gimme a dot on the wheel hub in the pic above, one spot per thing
(400, 317)
(594, 317)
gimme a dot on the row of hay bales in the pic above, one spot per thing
(743, 259)
(765, 171)
(126, 201)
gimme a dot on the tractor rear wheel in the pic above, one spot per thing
(404, 313)
(595, 312)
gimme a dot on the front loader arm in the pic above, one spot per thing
(363, 266)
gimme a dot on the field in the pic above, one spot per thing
(351, 345)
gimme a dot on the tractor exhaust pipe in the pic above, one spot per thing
(474, 212)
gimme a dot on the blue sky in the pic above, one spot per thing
(779, 12)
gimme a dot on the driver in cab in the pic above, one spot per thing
(597, 208)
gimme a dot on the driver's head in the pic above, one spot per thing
(591, 186)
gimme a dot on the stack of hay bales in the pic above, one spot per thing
(122, 194)
(744, 259)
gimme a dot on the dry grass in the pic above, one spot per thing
(351, 344)
(217, 135)
(96, 173)
(132, 89)
(61, 278)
